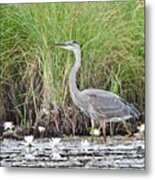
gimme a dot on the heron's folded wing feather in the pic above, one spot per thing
(108, 103)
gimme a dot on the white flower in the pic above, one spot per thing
(29, 140)
(8, 125)
(29, 156)
(41, 129)
(95, 132)
(84, 144)
(55, 142)
(45, 111)
(56, 156)
(141, 128)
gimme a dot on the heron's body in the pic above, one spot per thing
(99, 105)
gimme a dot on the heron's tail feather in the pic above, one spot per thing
(134, 111)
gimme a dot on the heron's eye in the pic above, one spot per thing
(75, 42)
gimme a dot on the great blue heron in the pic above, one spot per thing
(100, 105)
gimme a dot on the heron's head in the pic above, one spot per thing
(69, 45)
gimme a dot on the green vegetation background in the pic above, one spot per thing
(34, 74)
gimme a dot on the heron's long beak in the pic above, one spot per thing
(59, 44)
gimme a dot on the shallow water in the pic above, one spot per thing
(115, 154)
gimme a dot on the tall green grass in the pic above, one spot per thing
(34, 74)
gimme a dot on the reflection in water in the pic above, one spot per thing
(74, 153)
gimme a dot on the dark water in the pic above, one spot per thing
(115, 154)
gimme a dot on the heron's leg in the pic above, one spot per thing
(42, 134)
(127, 128)
(56, 125)
(111, 128)
(92, 124)
(104, 130)
(92, 129)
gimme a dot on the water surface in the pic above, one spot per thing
(115, 154)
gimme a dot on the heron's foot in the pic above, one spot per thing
(104, 139)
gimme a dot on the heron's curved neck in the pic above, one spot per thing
(72, 77)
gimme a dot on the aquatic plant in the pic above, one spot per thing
(29, 140)
(55, 142)
(84, 144)
(8, 126)
(56, 156)
(141, 129)
(95, 132)
(41, 129)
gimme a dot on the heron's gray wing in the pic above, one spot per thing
(107, 104)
